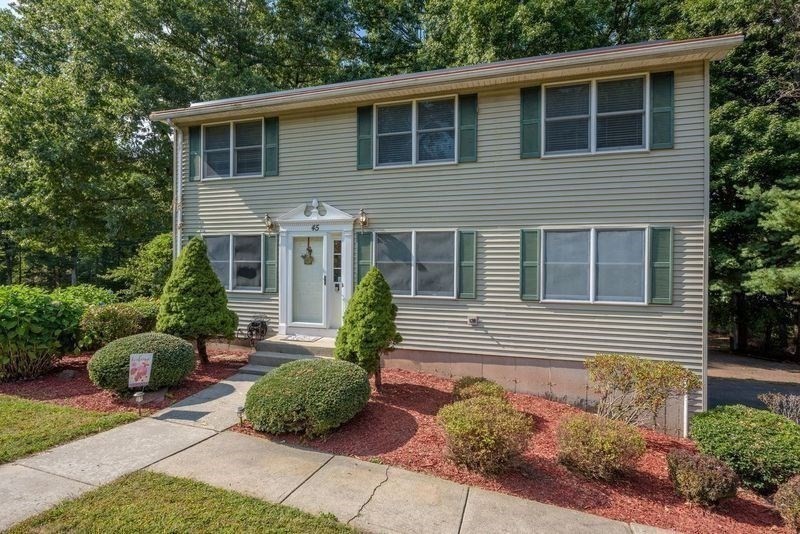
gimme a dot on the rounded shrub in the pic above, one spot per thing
(148, 311)
(173, 360)
(309, 396)
(485, 433)
(472, 386)
(700, 478)
(599, 448)
(102, 324)
(35, 330)
(787, 502)
(762, 447)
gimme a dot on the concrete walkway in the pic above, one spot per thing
(188, 440)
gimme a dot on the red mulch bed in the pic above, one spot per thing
(79, 391)
(399, 427)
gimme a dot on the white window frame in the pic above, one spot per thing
(593, 264)
(231, 263)
(231, 150)
(414, 132)
(414, 260)
(593, 117)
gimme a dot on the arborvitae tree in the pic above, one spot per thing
(193, 304)
(369, 329)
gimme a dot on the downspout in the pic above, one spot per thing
(177, 187)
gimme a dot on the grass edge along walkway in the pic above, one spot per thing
(151, 502)
(29, 426)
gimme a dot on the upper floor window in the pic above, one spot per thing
(233, 149)
(421, 131)
(236, 260)
(595, 116)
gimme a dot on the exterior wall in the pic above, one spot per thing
(497, 195)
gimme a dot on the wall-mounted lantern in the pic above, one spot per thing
(362, 218)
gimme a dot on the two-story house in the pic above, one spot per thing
(527, 214)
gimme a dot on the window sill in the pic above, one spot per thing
(595, 153)
(256, 291)
(411, 165)
(594, 302)
(434, 297)
(230, 178)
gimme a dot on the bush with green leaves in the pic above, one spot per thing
(102, 324)
(762, 447)
(485, 433)
(148, 311)
(597, 447)
(307, 396)
(787, 502)
(145, 274)
(85, 294)
(173, 361)
(368, 329)
(35, 330)
(700, 478)
(783, 404)
(468, 387)
(194, 305)
(631, 387)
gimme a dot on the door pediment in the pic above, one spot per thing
(315, 212)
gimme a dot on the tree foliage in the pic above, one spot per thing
(194, 305)
(145, 273)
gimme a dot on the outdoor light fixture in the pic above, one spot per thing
(268, 223)
(240, 413)
(362, 218)
(139, 397)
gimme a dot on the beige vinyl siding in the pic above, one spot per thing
(496, 196)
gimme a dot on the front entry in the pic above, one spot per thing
(315, 267)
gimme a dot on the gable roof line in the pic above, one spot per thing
(717, 47)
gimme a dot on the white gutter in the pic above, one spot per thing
(708, 48)
(177, 187)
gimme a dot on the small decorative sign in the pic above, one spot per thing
(139, 370)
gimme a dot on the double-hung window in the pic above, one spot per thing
(418, 263)
(421, 131)
(595, 116)
(595, 265)
(236, 260)
(233, 149)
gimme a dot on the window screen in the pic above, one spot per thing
(435, 263)
(620, 114)
(393, 258)
(216, 150)
(247, 262)
(219, 254)
(436, 132)
(566, 265)
(394, 134)
(567, 112)
(248, 151)
(620, 265)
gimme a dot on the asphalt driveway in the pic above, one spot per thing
(740, 380)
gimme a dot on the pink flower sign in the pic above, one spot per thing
(139, 370)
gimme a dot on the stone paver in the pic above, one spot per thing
(214, 407)
(487, 511)
(25, 492)
(340, 487)
(101, 458)
(412, 502)
(246, 464)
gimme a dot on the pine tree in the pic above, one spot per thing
(193, 304)
(369, 329)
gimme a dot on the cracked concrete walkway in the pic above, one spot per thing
(189, 440)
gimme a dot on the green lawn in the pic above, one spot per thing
(28, 426)
(151, 502)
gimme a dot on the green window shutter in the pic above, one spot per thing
(530, 122)
(271, 135)
(467, 264)
(529, 265)
(662, 106)
(467, 128)
(270, 264)
(364, 133)
(363, 255)
(195, 153)
(661, 265)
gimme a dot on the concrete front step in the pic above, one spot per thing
(277, 344)
(253, 369)
(274, 359)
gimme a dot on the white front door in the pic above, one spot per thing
(308, 280)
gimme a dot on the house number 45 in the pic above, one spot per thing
(315, 228)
